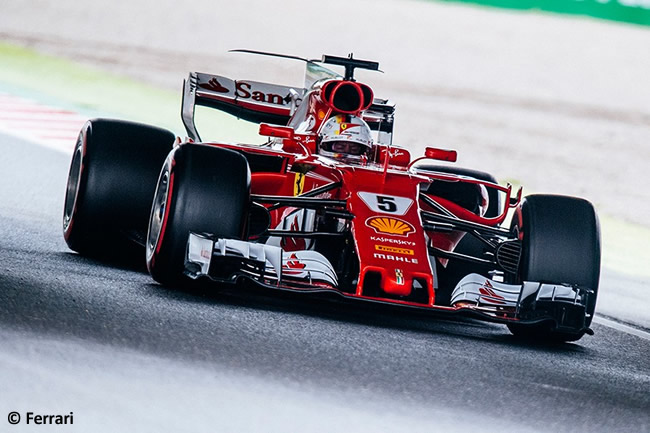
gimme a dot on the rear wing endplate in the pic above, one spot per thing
(248, 100)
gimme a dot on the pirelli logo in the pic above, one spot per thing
(395, 250)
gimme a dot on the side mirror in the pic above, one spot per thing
(396, 155)
(440, 154)
(276, 131)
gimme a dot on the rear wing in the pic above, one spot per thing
(258, 102)
(248, 100)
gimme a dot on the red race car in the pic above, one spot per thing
(328, 204)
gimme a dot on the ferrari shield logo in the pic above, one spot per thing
(299, 184)
(399, 277)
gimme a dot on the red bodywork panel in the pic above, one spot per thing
(365, 222)
(390, 242)
(381, 192)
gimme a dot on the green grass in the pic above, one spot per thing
(86, 89)
(97, 93)
(612, 10)
(623, 244)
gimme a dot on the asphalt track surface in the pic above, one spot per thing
(122, 353)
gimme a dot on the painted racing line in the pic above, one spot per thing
(620, 326)
(48, 126)
(57, 128)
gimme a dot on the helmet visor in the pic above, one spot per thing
(349, 147)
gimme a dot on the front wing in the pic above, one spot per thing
(228, 261)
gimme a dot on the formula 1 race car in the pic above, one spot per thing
(327, 204)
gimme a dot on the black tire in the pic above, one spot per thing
(468, 245)
(203, 189)
(111, 183)
(560, 245)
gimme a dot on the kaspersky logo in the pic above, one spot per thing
(390, 226)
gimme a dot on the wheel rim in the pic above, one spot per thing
(158, 210)
(72, 188)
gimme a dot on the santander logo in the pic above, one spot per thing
(214, 86)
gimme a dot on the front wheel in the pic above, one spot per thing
(560, 239)
(202, 189)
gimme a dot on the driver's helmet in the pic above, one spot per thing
(345, 137)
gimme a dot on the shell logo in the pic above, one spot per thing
(390, 226)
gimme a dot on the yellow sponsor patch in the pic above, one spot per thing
(299, 184)
(390, 226)
(395, 250)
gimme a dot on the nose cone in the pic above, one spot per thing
(390, 240)
(396, 284)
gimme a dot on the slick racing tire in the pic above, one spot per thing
(468, 245)
(201, 189)
(560, 244)
(111, 183)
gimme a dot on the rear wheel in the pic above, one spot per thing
(561, 245)
(111, 183)
(203, 189)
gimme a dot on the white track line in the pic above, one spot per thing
(622, 327)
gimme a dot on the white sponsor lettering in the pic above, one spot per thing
(395, 258)
(391, 240)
